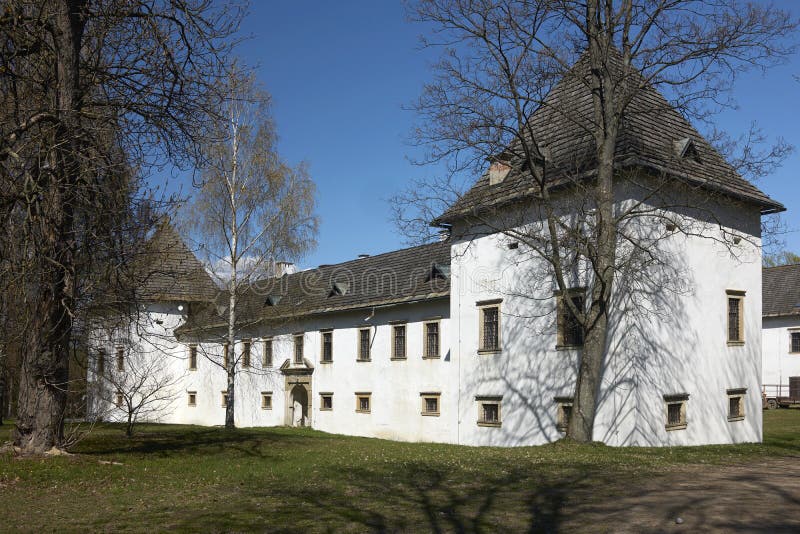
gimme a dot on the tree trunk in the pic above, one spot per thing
(45, 360)
(592, 358)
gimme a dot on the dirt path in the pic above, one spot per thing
(758, 497)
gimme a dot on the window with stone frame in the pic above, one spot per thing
(736, 398)
(364, 344)
(489, 410)
(225, 355)
(267, 356)
(489, 326)
(101, 362)
(794, 342)
(675, 405)
(120, 359)
(266, 400)
(735, 317)
(570, 329)
(193, 357)
(326, 350)
(224, 399)
(298, 349)
(399, 342)
(431, 343)
(119, 399)
(326, 401)
(192, 398)
(246, 353)
(563, 412)
(430, 403)
(363, 402)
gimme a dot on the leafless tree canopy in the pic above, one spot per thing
(94, 94)
(500, 61)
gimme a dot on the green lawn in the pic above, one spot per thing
(207, 479)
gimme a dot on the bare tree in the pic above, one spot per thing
(93, 93)
(493, 98)
(251, 208)
(784, 257)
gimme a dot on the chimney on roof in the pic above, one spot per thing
(284, 267)
(362, 256)
(498, 170)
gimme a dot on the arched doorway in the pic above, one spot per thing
(299, 406)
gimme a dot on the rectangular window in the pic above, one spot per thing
(120, 359)
(795, 342)
(399, 342)
(266, 400)
(225, 355)
(676, 411)
(363, 404)
(736, 404)
(431, 348)
(430, 403)
(193, 357)
(192, 398)
(119, 399)
(326, 401)
(101, 362)
(489, 411)
(489, 327)
(246, 353)
(298, 349)
(327, 347)
(570, 329)
(267, 360)
(364, 338)
(224, 399)
(564, 412)
(735, 317)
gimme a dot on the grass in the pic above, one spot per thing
(280, 479)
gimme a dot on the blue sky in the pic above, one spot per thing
(339, 74)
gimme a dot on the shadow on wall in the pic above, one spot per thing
(663, 339)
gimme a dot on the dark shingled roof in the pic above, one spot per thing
(650, 138)
(402, 276)
(171, 272)
(780, 291)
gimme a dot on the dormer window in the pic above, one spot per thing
(272, 300)
(498, 170)
(438, 271)
(339, 288)
(686, 149)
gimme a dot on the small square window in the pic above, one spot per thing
(364, 342)
(266, 400)
(676, 411)
(489, 413)
(736, 404)
(326, 355)
(224, 399)
(119, 399)
(246, 353)
(192, 398)
(193, 357)
(564, 412)
(267, 359)
(399, 342)
(363, 402)
(794, 346)
(431, 348)
(120, 359)
(326, 401)
(430, 403)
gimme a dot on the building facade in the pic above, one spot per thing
(781, 332)
(469, 340)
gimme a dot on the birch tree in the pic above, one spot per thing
(251, 209)
(499, 61)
